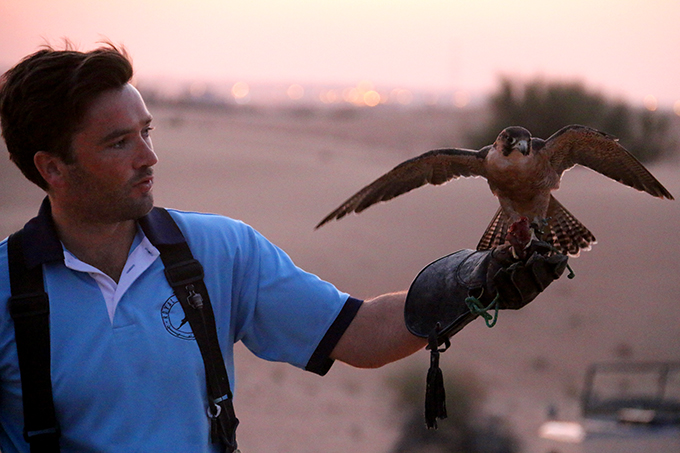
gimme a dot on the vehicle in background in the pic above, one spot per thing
(625, 407)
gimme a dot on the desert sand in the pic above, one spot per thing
(283, 170)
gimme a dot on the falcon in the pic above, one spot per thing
(522, 171)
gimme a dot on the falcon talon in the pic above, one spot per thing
(571, 273)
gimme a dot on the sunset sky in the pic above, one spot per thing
(626, 48)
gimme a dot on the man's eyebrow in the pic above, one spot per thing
(121, 132)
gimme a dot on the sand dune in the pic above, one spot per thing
(282, 173)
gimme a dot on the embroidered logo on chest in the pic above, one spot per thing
(174, 320)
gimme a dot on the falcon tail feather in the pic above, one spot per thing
(496, 231)
(566, 233)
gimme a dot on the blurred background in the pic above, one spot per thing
(451, 52)
(275, 112)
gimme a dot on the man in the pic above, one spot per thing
(126, 374)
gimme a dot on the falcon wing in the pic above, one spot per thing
(434, 167)
(601, 152)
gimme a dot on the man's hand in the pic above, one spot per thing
(438, 300)
(519, 281)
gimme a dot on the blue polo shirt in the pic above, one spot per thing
(131, 378)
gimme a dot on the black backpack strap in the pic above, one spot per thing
(185, 276)
(29, 308)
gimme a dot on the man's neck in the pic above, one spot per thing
(102, 245)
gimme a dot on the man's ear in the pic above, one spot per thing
(51, 168)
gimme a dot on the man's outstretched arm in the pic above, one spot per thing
(437, 303)
(378, 334)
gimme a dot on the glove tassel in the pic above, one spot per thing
(435, 395)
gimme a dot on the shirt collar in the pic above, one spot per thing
(41, 243)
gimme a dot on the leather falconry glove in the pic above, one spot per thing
(436, 300)
(454, 290)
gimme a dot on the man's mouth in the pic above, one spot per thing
(145, 184)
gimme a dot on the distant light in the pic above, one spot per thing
(351, 95)
(365, 86)
(571, 432)
(403, 97)
(461, 98)
(676, 107)
(330, 96)
(371, 98)
(240, 90)
(295, 92)
(651, 103)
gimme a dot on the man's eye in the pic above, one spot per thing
(147, 131)
(119, 144)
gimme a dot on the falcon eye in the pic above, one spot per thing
(512, 140)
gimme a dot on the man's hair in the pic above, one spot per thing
(43, 100)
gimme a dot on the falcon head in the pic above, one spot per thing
(514, 138)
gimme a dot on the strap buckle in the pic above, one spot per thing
(218, 408)
(184, 273)
(216, 414)
(30, 436)
(27, 305)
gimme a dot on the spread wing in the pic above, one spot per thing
(601, 152)
(434, 167)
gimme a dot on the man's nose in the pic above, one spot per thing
(146, 157)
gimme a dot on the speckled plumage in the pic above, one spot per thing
(522, 171)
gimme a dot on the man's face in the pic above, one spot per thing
(111, 178)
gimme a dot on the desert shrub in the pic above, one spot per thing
(544, 107)
(466, 430)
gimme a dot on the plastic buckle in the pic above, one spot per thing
(184, 273)
(27, 305)
(29, 435)
(217, 413)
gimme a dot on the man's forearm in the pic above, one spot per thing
(378, 334)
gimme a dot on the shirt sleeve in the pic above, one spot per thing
(279, 311)
(288, 314)
(320, 362)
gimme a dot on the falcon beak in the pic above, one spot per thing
(522, 146)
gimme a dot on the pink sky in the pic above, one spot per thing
(625, 48)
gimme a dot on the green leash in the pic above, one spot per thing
(476, 308)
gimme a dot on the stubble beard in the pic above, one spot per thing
(97, 204)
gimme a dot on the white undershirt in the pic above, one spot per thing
(137, 262)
